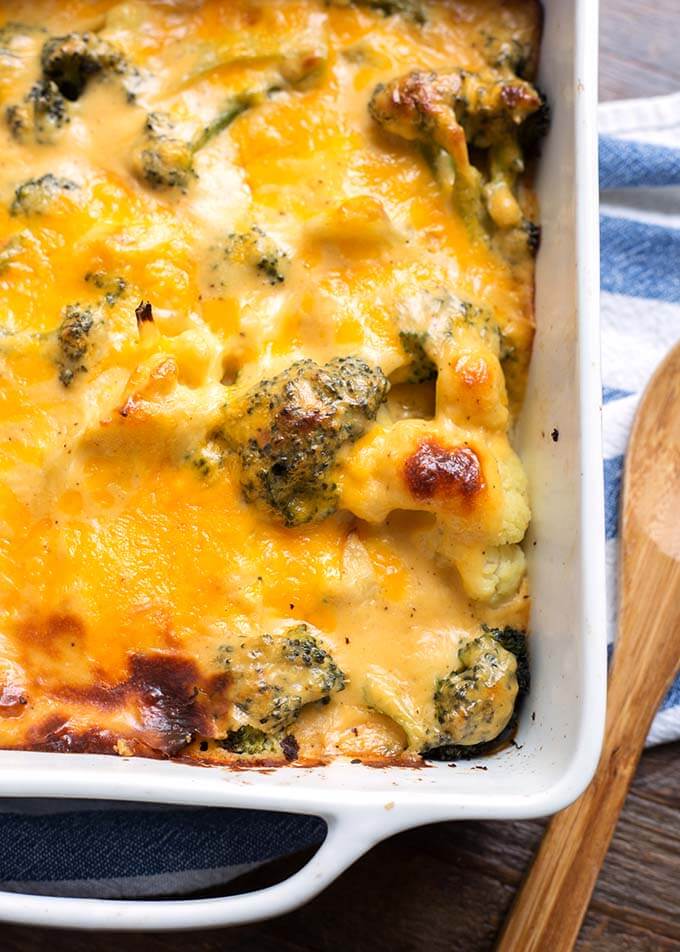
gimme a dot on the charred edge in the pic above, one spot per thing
(173, 705)
(168, 693)
(454, 752)
(144, 313)
(55, 736)
(434, 470)
(290, 747)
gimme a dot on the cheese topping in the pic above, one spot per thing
(266, 295)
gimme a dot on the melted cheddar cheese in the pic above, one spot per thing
(195, 199)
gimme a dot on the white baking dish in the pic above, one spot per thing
(561, 728)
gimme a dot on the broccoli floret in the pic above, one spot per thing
(510, 54)
(36, 196)
(249, 740)
(271, 264)
(289, 430)
(475, 704)
(537, 125)
(421, 368)
(164, 160)
(451, 112)
(72, 61)
(515, 642)
(257, 250)
(453, 694)
(41, 114)
(73, 342)
(518, 245)
(275, 676)
(206, 459)
(303, 651)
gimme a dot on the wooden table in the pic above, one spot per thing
(446, 888)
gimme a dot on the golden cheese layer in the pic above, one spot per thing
(261, 347)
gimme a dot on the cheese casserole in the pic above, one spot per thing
(266, 304)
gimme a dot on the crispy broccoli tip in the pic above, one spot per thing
(515, 641)
(73, 342)
(37, 196)
(290, 429)
(72, 61)
(453, 752)
(537, 125)
(290, 670)
(249, 740)
(533, 236)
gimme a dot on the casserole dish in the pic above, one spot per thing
(560, 731)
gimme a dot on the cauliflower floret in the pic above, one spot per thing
(490, 574)
(476, 487)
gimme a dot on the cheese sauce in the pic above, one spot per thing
(130, 554)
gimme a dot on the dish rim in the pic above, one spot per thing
(358, 818)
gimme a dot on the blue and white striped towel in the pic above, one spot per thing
(167, 851)
(640, 281)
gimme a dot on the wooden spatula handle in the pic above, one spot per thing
(551, 905)
(549, 910)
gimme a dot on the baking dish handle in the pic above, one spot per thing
(349, 836)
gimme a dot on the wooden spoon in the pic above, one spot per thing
(549, 910)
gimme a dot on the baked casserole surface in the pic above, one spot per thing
(266, 298)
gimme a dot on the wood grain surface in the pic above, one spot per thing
(551, 905)
(446, 888)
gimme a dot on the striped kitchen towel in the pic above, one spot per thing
(640, 281)
(64, 848)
